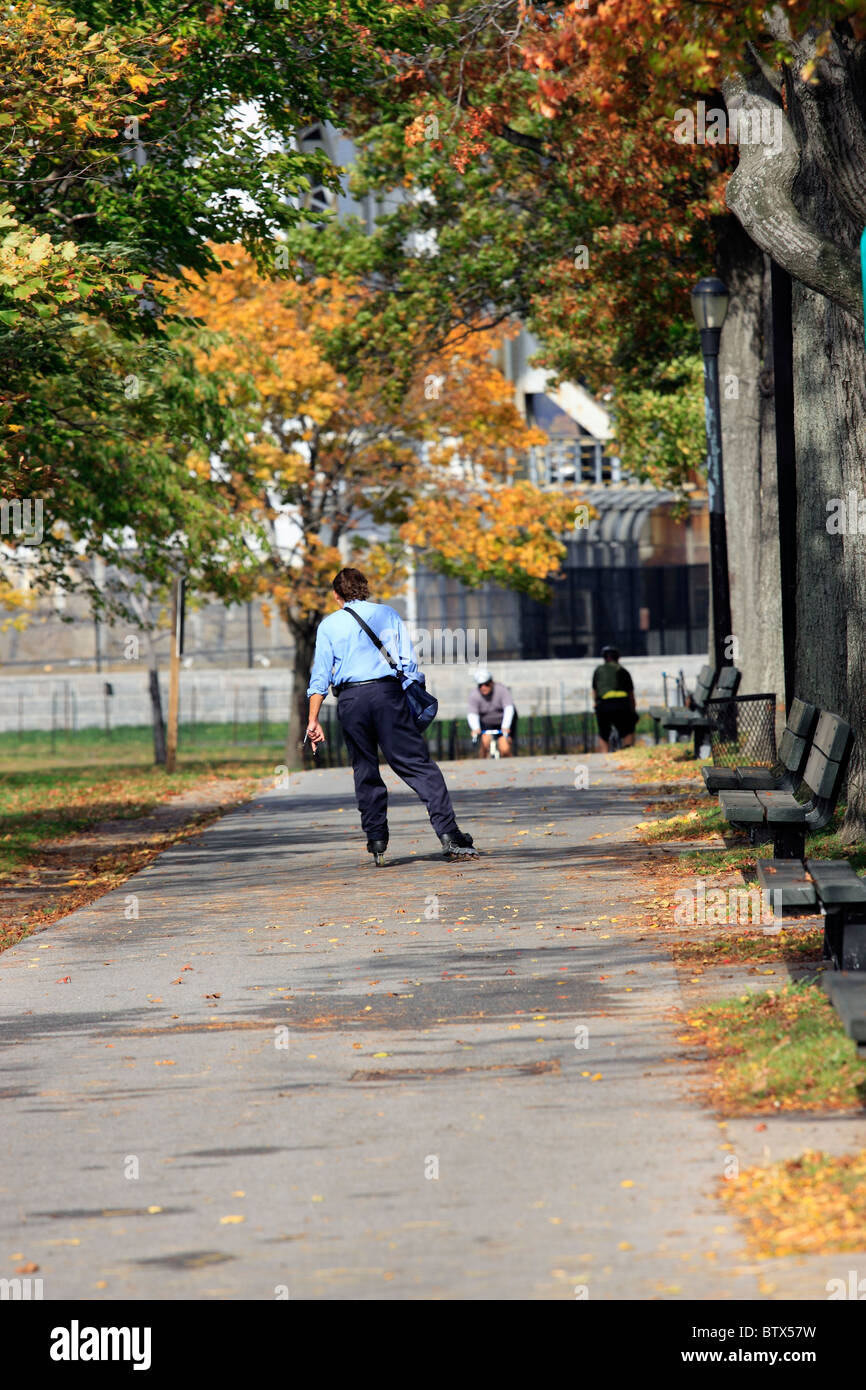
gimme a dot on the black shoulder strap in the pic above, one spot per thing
(373, 638)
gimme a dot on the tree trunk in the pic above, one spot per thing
(806, 206)
(830, 426)
(156, 717)
(305, 646)
(831, 592)
(749, 462)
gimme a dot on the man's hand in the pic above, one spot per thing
(315, 732)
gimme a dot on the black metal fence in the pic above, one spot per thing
(449, 739)
(743, 731)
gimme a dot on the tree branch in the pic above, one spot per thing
(759, 193)
(523, 142)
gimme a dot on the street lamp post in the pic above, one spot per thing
(709, 306)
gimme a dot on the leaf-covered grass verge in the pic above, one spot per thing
(40, 805)
(691, 819)
(99, 876)
(827, 844)
(662, 762)
(813, 1204)
(697, 816)
(752, 946)
(783, 1050)
(48, 796)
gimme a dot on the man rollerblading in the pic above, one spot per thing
(374, 713)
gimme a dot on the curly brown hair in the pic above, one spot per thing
(349, 584)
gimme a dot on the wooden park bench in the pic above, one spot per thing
(787, 773)
(841, 894)
(778, 813)
(699, 721)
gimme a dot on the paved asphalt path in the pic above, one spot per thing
(288, 1076)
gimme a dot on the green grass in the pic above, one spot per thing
(782, 1050)
(49, 794)
(89, 776)
(133, 744)
(692, 823)
(827, 844)
(700, 815)
(662, 762)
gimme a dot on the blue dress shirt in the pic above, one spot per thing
(344, 652)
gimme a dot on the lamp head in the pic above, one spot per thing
(710, 299)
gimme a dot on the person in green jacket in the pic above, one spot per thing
(613, 697)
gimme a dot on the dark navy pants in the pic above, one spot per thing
(377, 714)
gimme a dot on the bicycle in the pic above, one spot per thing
(495, 736)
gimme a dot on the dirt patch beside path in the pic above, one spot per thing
(71, 872)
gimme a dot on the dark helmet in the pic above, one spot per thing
(609, 652)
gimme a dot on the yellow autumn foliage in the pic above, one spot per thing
(323, 455)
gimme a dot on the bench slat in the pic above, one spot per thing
(789, 877)
(822, 773)
(801, 718)
(704, 684)
(831, 736)
(721, 779)
(756, 779)
(836, 881)
(742, 806)
(741, 779)
(728, 682)
(782, 808)
(792, 749)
